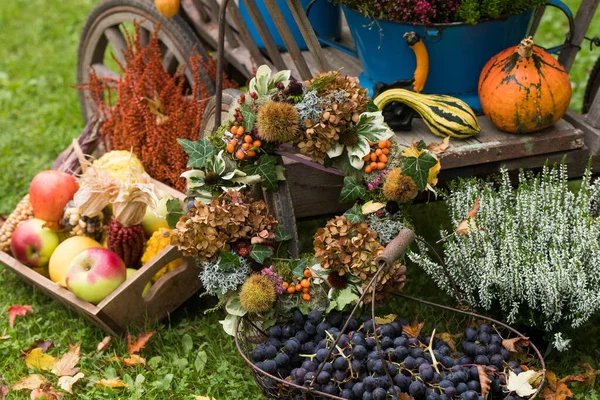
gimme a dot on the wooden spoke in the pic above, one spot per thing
(170, 62)
(144, 36)
(103, 71)
(117, 41)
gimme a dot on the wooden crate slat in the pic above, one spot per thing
(583, 19)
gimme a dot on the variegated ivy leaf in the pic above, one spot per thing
(194, 178)
(234, 307)
(241, 177)
(218, 164)
(336, 150)
(372, 127)
(282, 76)
(357, 152)
(260, 82)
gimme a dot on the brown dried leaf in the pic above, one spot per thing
(552, 380)
(45, 392)
(66, 365)
(516, 344)
(406, 396)
(36, 359)
(111, 383)
(562, 392)
(29, 382)
(17, 311)
(134, 360)
(463, 227)
(484, 380)
(588, 375)
(103, 345)
(413, 331)
(449, 339)
(139, 343)
(439, 148)
(38, 344)
(66, 382)
(3, 390)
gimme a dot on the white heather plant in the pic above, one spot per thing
(533, 250)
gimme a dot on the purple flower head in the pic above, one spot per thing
(277, 280)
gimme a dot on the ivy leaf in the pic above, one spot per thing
(229, 261)
(266, 169)
(281, 235)
(298, 267)
(174, 212)
(371, 107)
(418, 168)
(249, 118)
(344, 297)
(355, 214)
(234, 307)
(260, 253)
(421, 145)
(353, 190)
(198, 152)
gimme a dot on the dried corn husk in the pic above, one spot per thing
(22, 212)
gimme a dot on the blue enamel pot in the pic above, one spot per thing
(325, 18)
(457, 51)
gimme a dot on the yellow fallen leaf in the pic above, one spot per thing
(370, 207)
(114, 359)
(134, 360)
(29, 382)
(66, 365)
(66, 382)
(385, 320)
(40, 361)
(111, 383)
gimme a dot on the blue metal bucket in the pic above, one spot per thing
(325, 18)
(457, 51)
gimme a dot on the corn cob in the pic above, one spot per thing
(22, 212)
(126, 242)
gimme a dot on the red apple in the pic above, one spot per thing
(95, 273)
(49, 193)
(32, 244)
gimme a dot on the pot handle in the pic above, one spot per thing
(336, 45)
(567, 11)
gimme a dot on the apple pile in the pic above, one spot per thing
(79, 263)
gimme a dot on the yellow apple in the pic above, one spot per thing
(154, 220)
(130, 273)
(60, 260)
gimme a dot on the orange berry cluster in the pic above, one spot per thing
(300, 287)
(377, 159)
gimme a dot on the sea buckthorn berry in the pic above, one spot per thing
(383, 158)
(305, 290)
(233, 141)
(257, 143)
(291, 289)
(373, 165)
(382, 144)
(306, 297)
(367, 157)
(298, 287)
(240, 155)
(234, 130)
(251, 153)
(286, 285)
(230, 148)
(246, 147)
(380, 165)
(307, 273)
(388, 144)
(368, 169)
(240, 130)
(248, 139)
(373, 157)
(305, 283)
(386, 151)
(378, 152)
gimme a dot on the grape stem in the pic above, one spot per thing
(434, 361)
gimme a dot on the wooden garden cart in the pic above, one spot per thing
(204, 26)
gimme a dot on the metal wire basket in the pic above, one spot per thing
(434, 317)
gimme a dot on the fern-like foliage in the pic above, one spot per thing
(533, 251)
(469, 11)
(493, 9)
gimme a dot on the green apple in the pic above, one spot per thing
(131, 272)
(154, 220)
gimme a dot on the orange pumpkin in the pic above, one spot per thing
(167, 8)
(524, 89)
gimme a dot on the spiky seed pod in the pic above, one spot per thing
(398, 187)
(81, 225)
(278, 123)
(258, 294)
(21, 213)
(126, 242)
(337, 281)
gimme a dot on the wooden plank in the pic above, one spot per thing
(336, 59)
(288, 39)
(117, 41)
(308, 33)
(591, 133)
(265, 35)
(583, 19)
(244, 32)
(593, 117)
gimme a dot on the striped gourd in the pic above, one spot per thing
(444, 115)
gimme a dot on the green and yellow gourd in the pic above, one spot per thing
(444, 115)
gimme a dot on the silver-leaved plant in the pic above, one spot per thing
(533, 250)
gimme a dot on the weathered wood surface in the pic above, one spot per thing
(593, 116)
(591, 133)
(583, 19)
(265, 35)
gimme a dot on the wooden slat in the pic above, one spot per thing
(170, 62)
(265, 35)
(591, 133)
(537, 18)
(584, 16)
(308, 34)
(288, 39)
(244, 32)
(103, 71)
(336, 59)
(117, 41)
(593, 116)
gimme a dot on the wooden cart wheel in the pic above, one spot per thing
(279, 202)
(103, 36)
(592, 88)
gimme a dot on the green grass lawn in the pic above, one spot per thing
(39, 116)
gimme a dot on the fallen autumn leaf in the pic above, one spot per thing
(36, 359)
(17, 311)
(66, 382)
(66, 365)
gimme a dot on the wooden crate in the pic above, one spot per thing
(126, 305)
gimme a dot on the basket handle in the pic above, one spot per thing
(396, 248)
